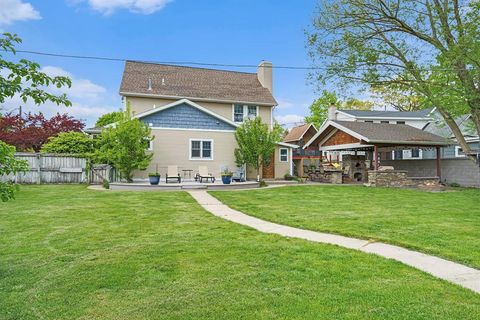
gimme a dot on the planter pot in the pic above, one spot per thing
(226, 179)
(154, 180)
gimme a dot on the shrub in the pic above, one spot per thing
(106, 184)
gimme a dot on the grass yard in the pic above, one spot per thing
(446, 224)
(67, 252)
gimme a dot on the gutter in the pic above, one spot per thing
(152, 95)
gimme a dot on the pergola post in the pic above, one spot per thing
(439, 168)
(375, 157)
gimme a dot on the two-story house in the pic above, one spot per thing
(193, 114)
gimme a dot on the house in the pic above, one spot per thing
(303, 158)
(193, 114)
(417, 119)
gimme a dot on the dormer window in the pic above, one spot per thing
(242, 112)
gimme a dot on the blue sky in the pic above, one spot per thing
(222, 31)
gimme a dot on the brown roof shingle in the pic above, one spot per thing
(393, 133)
(189, 82)
(296, 133)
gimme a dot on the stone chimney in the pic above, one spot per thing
(264, 74)
(332, 112)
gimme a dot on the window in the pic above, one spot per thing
(384, 121)
(415, 153)
(241, 112)
(238, 113)
(369, 121)
(283, 155)
(201, 149)
(398, 154)
(459, 152)
(400, 122)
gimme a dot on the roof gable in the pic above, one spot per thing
(193, 83)
(379, 133)
(185, 114)
(297, 133)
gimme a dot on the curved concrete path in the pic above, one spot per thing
(447, 270)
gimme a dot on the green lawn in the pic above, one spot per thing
(67, 252)
(446, 224)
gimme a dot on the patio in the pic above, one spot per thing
(188, 184)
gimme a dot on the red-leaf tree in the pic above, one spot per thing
(30, 131)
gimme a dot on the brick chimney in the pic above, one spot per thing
(332, 112)
(264, 74)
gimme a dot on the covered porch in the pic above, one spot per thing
(361, 146)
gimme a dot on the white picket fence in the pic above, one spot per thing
(54, 168)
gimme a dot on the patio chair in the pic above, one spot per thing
(239, 175)
(203, 174)
(172, 174)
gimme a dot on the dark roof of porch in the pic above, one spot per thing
(381, 134)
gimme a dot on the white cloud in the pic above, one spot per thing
(16, 10)
(108, 7)
(290, 120)
(81, 88)
(88, 99)
(284, 103)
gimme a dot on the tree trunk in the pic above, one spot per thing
(456, 131)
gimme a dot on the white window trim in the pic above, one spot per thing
(280, 155)
(408, 156)
(201, 150)
(457, 152)
(245, 111)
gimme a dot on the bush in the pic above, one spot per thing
(263, 184)
(288, 176)
(454, 185)
(75, 143)
(106, 184)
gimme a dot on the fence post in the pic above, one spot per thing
(39, 169)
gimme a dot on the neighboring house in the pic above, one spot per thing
(417, 119)
(303, 158)
(193, 114)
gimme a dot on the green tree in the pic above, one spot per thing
(9, 166)
(319, 108)
(75, 143)
(256, 143)
(124, 146)
(109, 118)
(398, 97)
(431, 47)
(24, 78)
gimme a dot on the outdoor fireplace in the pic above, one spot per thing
(354, 166)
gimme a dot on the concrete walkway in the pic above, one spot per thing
(454, 272)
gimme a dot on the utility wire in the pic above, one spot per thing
(196, 63)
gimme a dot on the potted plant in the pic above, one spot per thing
(227, 176)
(154, 178)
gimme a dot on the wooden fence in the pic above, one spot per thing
(54, 168)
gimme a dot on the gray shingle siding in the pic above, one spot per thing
(447, 152)
(459, 170)
(185, 116)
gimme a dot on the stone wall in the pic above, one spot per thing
(327, 176)
(462, 171)
(398, 179)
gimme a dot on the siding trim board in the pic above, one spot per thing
(151, 95)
